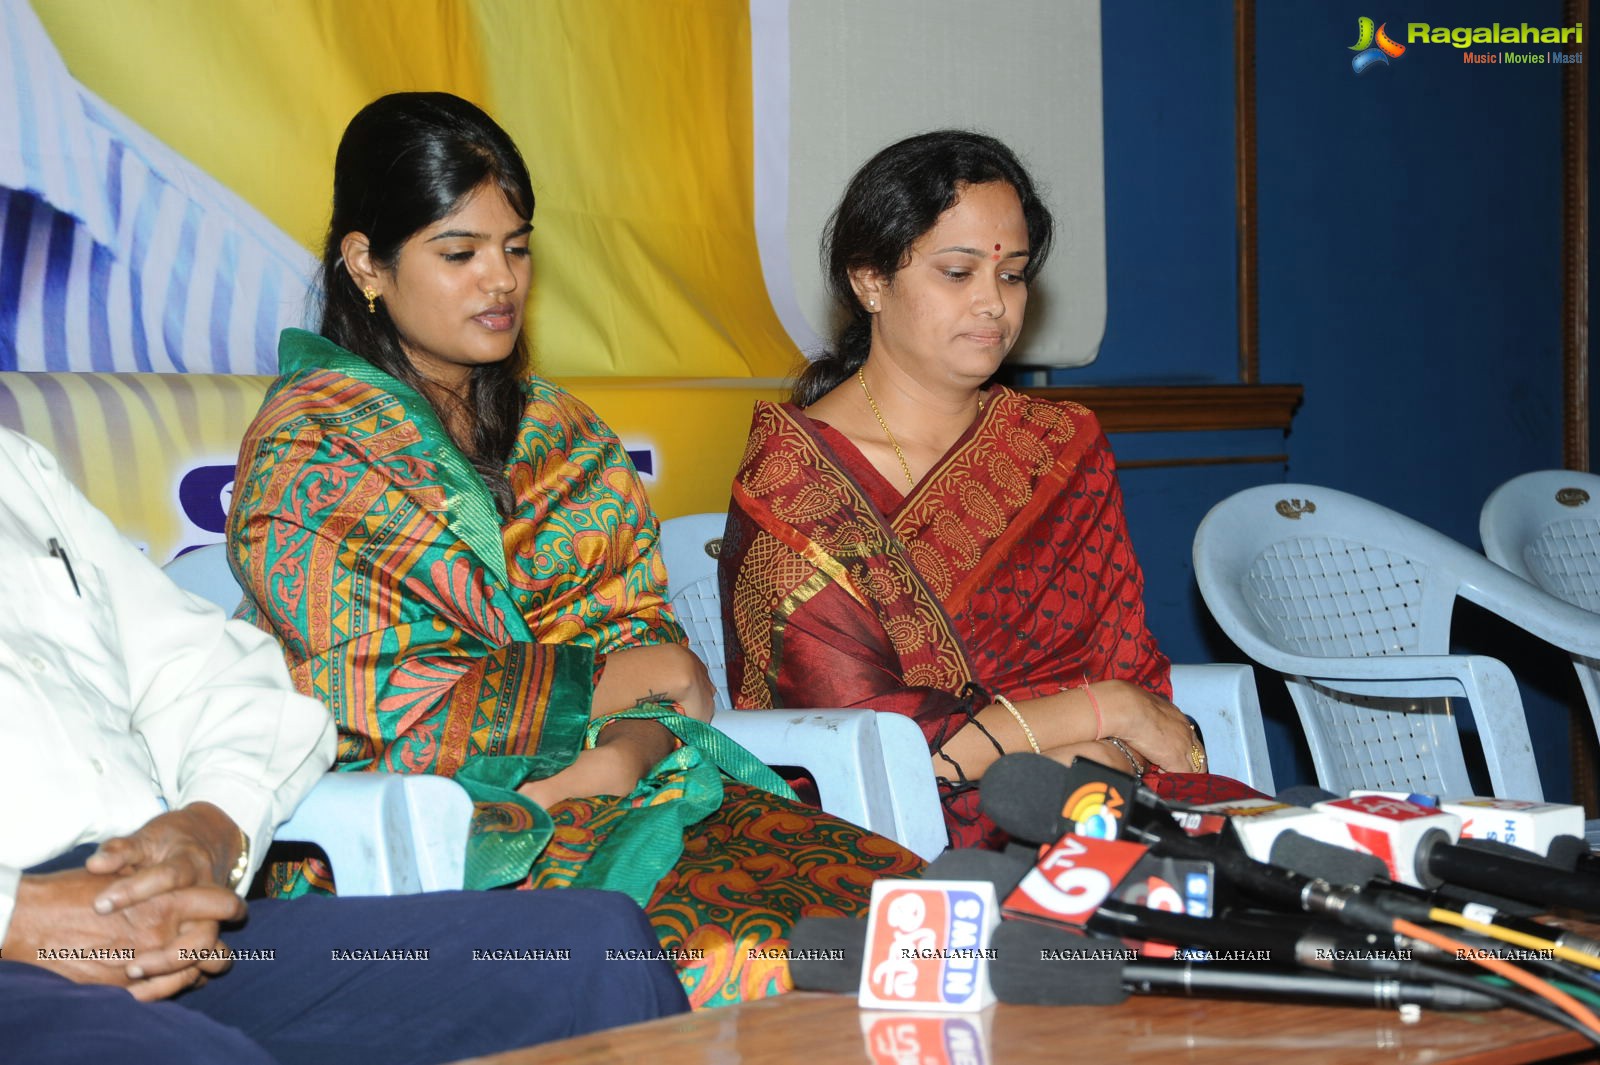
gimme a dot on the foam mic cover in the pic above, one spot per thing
(1573, 854)
(1018, 974)
(1542, 884)
(1305, 795)
(1003, 869)
(1023, 794)
(1336, 865)
(825, 953)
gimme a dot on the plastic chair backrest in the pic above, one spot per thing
(1545, 528)
(1294, 572)
(204, 571)
(689, 547)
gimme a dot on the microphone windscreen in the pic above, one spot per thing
(1023, 794)
(1567, 851)
(1002, 869)
(1306, 795)
(826, 953)
(1033, 966)
(1312, 857)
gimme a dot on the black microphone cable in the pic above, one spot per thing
(1583, 1017)
(1513, 997)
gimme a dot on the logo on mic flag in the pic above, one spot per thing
(928, 944)
(1072, 879)
(1096, 810)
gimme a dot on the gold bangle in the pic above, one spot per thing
(1026, 731)
(1123, 749)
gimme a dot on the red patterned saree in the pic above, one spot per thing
(445, 640)
(1006, 569)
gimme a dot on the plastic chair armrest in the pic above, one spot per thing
(386, 833)
(1488, 687)
(1424, 676)
(1223, 701)
(859, 761)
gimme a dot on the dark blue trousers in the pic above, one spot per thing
(325, 997)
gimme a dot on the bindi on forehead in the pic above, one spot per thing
(996, 255)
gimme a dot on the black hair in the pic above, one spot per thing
(405, 161)
(896, 197)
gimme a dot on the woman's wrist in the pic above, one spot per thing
(1136, 765)
(637, 743)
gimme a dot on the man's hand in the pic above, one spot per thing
(196, 846)
(55, 917)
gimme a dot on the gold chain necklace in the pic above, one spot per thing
(905, 468)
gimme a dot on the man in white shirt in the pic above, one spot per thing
(152, 748)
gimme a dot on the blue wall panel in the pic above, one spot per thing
(1410, 235)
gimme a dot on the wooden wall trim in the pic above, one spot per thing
(1575, 338)
(1575, 251)
(1183, 408)
(1244, 181)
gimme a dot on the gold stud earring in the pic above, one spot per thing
(372, 299)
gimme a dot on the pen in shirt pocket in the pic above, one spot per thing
(57, 551)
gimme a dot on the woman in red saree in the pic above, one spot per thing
(904, 538)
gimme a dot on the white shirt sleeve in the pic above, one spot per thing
(9, 879)
(209, 697)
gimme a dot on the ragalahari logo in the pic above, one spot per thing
(1373, 45)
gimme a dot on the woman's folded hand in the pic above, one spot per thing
(1153, 726)
(625, 752)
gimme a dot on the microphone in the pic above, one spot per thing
(1530, 826)
(1416, 843)
(1031, 796)
(825, 953)
(1317, 859)
(1551, 831)
(1047, 967)
(1574, 854)
(1028, 795)
(1083, 883)
(923, 944)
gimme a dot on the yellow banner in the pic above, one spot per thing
(634, 116)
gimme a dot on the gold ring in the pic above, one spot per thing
(1197, 758)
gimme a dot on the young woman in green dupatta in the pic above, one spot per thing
(460, 561)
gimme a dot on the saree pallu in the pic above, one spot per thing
(1006, 569)
(444, 640)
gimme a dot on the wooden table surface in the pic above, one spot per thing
(819, 1029)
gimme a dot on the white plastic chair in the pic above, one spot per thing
(1352, 603)
(878, 764)
(870, 769)
(383, 833)
(1545, 528)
